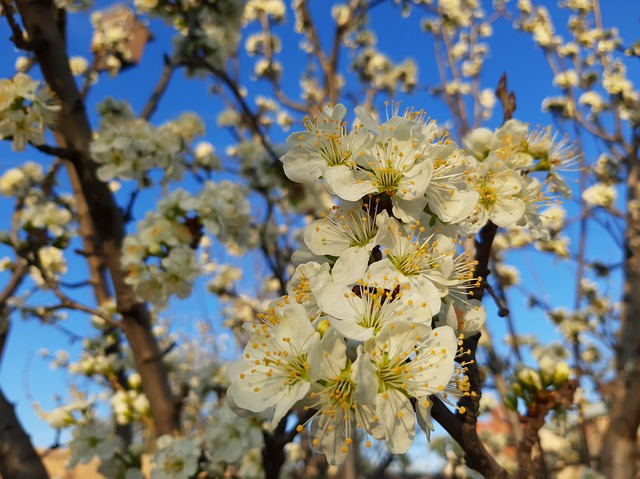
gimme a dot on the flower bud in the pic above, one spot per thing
(511, 401)
(530, 379)
(323, 326)
(134, 380)
(561, 374)
(547, 368)
(516, 389)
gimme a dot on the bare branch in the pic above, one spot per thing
(105, 230)
(533, 421)
(18, 37)
(249, 116)
(18, 458)
(150, 107)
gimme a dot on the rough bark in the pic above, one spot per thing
(531, 464)
(619, 454)
(49, 47)
(18, 458)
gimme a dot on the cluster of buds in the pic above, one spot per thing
(534, 385)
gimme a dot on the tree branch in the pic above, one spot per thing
(18, 458)
(533, 422)
(150, 107)
(106, 231)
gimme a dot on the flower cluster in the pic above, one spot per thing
(531, 384)
(94, 438)
(129, 149)
(598, 79)
(25, 111)
(19, 182)
(371, 324)
(160, 257)
(212, 32)
(229, 442)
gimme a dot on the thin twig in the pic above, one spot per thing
(18, 37)
(251, 118)
(150, 107)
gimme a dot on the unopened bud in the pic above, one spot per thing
(561, 374)
(323, 326)
(511, 401)
(530, 379)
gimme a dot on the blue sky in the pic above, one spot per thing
(23, 372)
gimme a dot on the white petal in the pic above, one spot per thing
(397, 418)
(339, 301)
(423, 414)
(322, 237)
(351, 265)
(428, 291)
(473, 316)
(256, 393)
(351, 329)
(367, 120)
(290, 397)
(364, 374)
(329, 359)
(302, 168)
(408, 211)
(506, 211)
(415, 181)
(330, 442)
(342, 181)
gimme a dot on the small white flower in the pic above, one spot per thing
(93, 439)
(325, 145)
(600, 194)
(274, 370)
(343, 394)
(349, 234)
(175, 458)
(411, 361)
(361, 315)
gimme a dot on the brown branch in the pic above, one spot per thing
(585, 455)
(619, 453)
(442, 73)
(457, 76)
(150, 107)
(308, 27)
(249, 116)
(533, 422)
(57, 151)
(463, 426)
(18, 37)
(65, 301)
(17, 277)
(275, 83)
(475, 454)
(107, 228)
(501, 296)
(497, 367)
(18, 458)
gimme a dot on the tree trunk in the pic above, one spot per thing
(619, 454)
(49, 47)
(18, 458)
